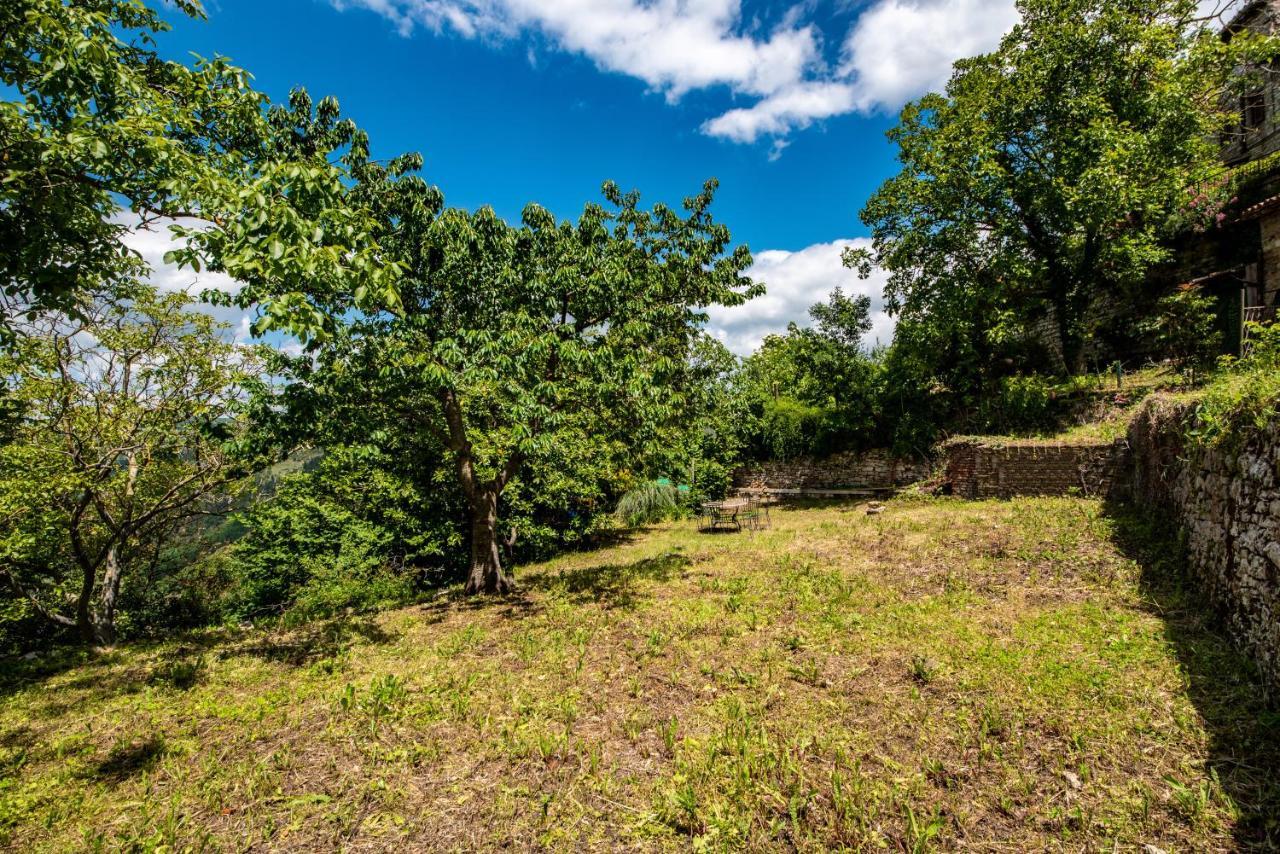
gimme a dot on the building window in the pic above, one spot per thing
(1253, 110)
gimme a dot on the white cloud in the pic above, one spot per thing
(899, 49)
(794, 281)
(152, 243)
(793, 108)
(673, 45)
(894, 51)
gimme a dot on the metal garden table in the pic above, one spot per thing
(732, 514)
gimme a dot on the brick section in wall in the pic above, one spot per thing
(981, 468)
(875, 469)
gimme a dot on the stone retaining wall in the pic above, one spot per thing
(1227, 501)
(981, 468)
(875, 469)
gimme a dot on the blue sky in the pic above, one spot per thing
(512, 101)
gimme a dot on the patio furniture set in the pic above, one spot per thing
(734, 514)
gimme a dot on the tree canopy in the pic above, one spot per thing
(1051, 170)
(99, 120)
(125, 426)
(530, 346)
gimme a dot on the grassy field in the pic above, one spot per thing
(999, 676)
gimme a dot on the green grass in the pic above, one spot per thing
(1112, 407)
(1021, 675)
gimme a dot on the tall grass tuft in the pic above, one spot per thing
(647, 503)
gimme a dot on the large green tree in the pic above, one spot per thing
(814, 389)
(1051, 169)
(530, 348)
(94, 122)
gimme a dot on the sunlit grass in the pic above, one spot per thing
(1027, 673)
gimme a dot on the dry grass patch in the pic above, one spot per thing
(999, 675)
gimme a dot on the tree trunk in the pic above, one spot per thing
(486, 575)
(1072, 347)
(1067, 313)
(105, 620)
(84, 602)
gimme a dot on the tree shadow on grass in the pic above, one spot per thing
(14, 746)
(129, 760)
(846, 504)
(1244, 729)
(320, 640)
(509, 607)
(130, 668)
(613, 584)
(17, 674)
(612, 538)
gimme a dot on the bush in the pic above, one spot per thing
(354, 533)
(650, 502)
(1019, 404)
(1245, 395)
(789, 428)
(711, 480)
(1183, 330)
(311, 558)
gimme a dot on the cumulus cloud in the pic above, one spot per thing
(153, 242)
(794, 281)
(791, 109)
(895, 50)
(673, 45)
(899, 49)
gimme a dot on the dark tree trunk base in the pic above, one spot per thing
(486, 575)
(491, 586)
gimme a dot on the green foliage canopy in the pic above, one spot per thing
(815, 389)
(98, 120)
(549, 345)
(1184, 329)
(124, 427)
(1052, 168)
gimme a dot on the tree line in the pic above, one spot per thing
(472, 391)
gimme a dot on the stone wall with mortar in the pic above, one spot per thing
(1227, 501)
(876, 469)
(986, 468)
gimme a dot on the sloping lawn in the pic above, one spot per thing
(999, 676)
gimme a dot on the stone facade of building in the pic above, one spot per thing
(1258, 133)
(1250, 151)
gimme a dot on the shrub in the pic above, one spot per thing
(305, 553)
(711, 480)
(789, 428)
(353, 533)
(648, 503)
(1183, 330)
(1019, 404)
(1243, 396)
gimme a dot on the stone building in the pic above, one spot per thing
(1240, 261)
